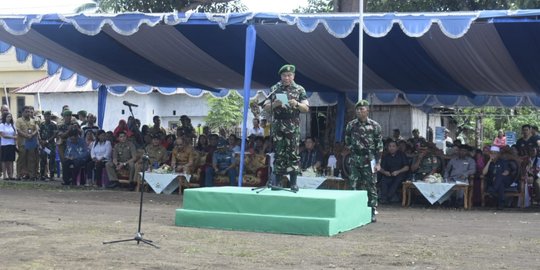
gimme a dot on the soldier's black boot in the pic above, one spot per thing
(292, 180)
(373, 214)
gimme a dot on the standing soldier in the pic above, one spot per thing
(63, 129)
(123, 158)
(27, 143)
(285, 129)
(364, 139)
(47, 132)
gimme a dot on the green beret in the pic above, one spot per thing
(362, 103)
(47, 113)
(287, 68)
(67, 113)
(83, 113)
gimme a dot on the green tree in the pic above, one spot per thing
(158, 6)
(320, 6)
(446, 5)
(493, 119)
(316, 6)
(225, 113)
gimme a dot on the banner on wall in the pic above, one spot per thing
(510, 138)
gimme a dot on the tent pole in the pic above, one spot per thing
(6, 95)
(361, 50)
(39, 100)
(251, 37)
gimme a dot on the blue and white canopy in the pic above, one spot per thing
(448, 55)
(458, 54)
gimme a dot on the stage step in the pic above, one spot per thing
(308, 212)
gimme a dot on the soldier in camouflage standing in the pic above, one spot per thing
(285, 126)
(47, 131)
(364, 139)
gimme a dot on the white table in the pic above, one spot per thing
(163, 182)
(437, 192)
(313, 182)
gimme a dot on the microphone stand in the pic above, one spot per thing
(269, 184)
(131, 111)
(139, 235)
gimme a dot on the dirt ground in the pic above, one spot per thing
(46, 226)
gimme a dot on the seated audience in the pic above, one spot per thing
(75, 157)
(310, 158)
(182, 157)
(123, 158)
(89, 139)
(394, 169)
(202, 143)
(425, 164)
(157, 154)
(257, 146)
(154, 156)
(100, 153)
(234, 144)
(223, 163)
(532, 170)
(497, 174)
(460, 167)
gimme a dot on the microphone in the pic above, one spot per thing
(261, 103)
(129, 104)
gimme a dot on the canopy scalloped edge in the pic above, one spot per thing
(453, 25)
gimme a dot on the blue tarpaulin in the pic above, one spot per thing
(474, 58)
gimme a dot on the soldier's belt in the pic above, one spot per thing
(284, 117)
(362, 152)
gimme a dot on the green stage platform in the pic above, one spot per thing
(308, 212)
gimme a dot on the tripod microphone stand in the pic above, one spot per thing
(271, 187)
(139, 235)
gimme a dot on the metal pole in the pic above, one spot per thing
(361, 50)
(6, 95)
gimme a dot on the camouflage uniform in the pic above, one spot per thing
(428, 164)
(47, 132)
(286, 130)
(364, 139)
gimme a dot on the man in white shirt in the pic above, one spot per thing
(256, 130)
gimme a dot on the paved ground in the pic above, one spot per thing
(46, 226)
